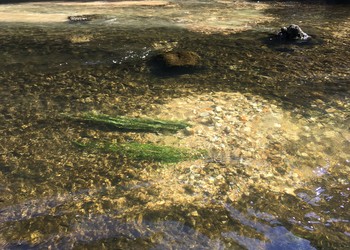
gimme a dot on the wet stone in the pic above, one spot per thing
(292, 32)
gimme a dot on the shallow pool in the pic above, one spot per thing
(272, 117)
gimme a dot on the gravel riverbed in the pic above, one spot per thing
(252, 143)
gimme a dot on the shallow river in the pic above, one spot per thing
(272, 117)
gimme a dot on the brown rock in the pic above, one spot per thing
(179, 59)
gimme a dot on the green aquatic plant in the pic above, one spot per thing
(133, 124)
(147, 151)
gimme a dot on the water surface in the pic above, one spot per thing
(274, 118)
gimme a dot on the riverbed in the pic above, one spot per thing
(272, 117)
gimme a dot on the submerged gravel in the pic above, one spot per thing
(253, 144)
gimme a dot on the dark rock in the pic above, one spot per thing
(289, 37)
(292, 33)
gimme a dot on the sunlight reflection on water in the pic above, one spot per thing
(215, 16)
(277, 237)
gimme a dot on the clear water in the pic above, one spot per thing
(280, 180)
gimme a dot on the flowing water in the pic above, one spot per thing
(274, 118)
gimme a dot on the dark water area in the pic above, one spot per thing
(55, 195)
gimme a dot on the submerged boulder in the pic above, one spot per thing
(292, 33)
(178, 59)
(172, 63)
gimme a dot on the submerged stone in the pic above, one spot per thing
(179, 59)
(173, 63)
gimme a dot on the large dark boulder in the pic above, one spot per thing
(292, 33)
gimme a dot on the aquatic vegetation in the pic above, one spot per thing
(135, 150)
(134, 124)
(147, 151)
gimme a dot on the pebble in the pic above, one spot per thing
(204, 114)
(330, 134)
(217, 124)
(277, 125)
(246, 154)
(306, 128)
(247, 129)
(227, 129)
(218, 109)
(189, 131)
(295, 175)
(214, 138)
(211, 179)
(331, 110)
(206, 121)
(194, 214)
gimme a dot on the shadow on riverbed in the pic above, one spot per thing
(249, 62)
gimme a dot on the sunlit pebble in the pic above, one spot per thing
(218, 109)
(277, 125)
